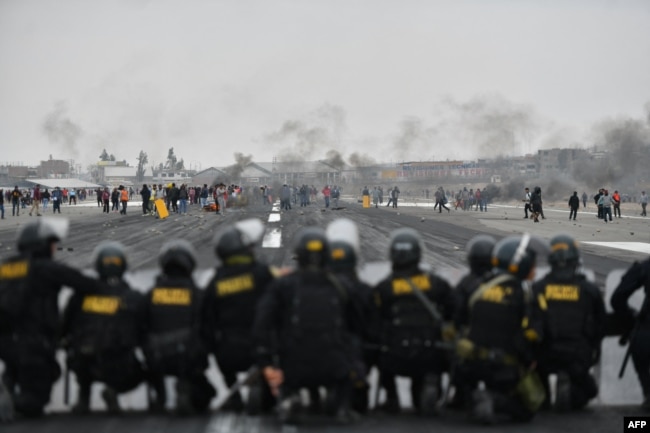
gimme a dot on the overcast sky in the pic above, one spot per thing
(389, 80)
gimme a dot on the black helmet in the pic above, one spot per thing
(230, 244)
(177, 257)
(405, 248)
(514, 255)
(479, 253)
(565, 252)
(311, 247)
(342, 256)
(343, 237)
(36, 237)
(110, 260)
(239, 240)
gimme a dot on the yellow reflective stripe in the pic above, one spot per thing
(562, 292)
(168, 296)
(238, 284)
(401, 286)
(14, 270)
(100, 304)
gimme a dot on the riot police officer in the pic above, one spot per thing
(312, 315)
(30, 283)
(573, 326)
(173, 345)
(498, 346)
(229, 306)
(101, 330)
(479, 257)
(638, 275)
(343, 237)
(411, 324)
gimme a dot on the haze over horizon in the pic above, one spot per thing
(367, 80)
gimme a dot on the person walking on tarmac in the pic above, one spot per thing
(574, 327)
(124, 198)
(536, 203)
(497, 349)
(101, 331)
(30, 283)
(228, 310)
(414, 306)
(637, 276)
(173, 346)
(312, 316)
(574, 205)
(394, 195)
(16, 195)
(526, 201)
(145, 192)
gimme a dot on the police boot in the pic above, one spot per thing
(255, 401)
(288, 409)
(157, 397)
(429, 395)
(7, 411)
(234, 404)
(83, 400)
(563, 392)
(316, 405)
(482, 407)
(110, 398)
(359, 401)
(183, 398)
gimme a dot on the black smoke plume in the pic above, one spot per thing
(60, 129)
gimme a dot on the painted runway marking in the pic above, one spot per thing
(639, 247)
(273, 236)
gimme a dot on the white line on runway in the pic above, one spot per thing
(273, 236)
(639, 247)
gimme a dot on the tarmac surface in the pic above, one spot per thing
(608, 249)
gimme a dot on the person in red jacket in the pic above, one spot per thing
(327, 192)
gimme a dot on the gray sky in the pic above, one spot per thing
(390, 80)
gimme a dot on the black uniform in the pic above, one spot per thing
(638, 275)
(29, 326)
(573, 331)
(228, 313)
(173, 345)
(409, 332)
(101, 331)
(314, 317)
(502, 325)
(365, 340)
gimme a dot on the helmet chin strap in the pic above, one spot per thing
(521, 250)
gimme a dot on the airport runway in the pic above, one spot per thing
(608, 249)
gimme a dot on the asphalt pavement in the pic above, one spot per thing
(608, 249)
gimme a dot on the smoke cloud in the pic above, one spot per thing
(335, 159)
(241, 161)
(414, 138)
(490, 125)
(308, 138)
(60, 129)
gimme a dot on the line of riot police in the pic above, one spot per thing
(496, 337)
